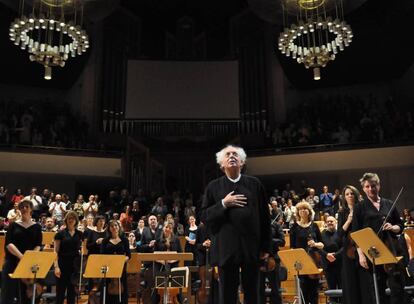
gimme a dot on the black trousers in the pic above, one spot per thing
(64, 284)
(274, 282)
(394, 276)
(333, 276)
(309, 288)
(229, 280)
(350, 281)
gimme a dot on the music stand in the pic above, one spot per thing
(48, 237)
(297, 261)
(375, 250)
(134, 264)
(166, 256)
(104, 266)
(34, 265)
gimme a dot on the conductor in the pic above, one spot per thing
(236, 212)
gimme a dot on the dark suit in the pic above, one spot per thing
(146, 277)
(239, 234)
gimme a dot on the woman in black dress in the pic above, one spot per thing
(67, 246)
(166, 242)
(306, 234)
(93, 244)
(190, 237)
(96, 235)
(116, 243)
(349, 273)
(23, 234)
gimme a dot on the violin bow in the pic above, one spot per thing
(391, 209)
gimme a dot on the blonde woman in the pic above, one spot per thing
(306, 234)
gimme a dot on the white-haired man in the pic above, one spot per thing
(236, 213)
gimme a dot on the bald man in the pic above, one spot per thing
(332, 252)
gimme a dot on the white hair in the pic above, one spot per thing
(240, 152)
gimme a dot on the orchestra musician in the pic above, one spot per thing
(236, 212)
(372, 212)
(349, 273)
(305, 234)
(23, 234)
(167, 241)
(332, 252)
(208, 291)
(93, 244)
(67, 247)
(116, 243)
(278, 240)
(148, 236)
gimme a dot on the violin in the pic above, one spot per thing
(205, 273)
(316, 256)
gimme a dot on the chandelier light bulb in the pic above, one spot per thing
(48, 73)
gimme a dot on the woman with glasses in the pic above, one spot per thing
(132, 242)
(23, 234)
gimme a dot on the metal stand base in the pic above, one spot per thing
(298, 267)
(373, 253)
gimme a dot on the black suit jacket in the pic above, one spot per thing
(239, 234)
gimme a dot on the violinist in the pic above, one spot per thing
(116, 243)
(372, 212)
(67, 247)
(349, 273)
(23, 234)
(306, 234)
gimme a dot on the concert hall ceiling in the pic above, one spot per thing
(380, 50)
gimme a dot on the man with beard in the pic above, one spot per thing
(149, 236)
(332, 253)
(237, 215)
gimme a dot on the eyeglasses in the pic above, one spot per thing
(24, 206)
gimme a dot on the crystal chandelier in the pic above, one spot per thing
(315, 37)
(50, 31)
